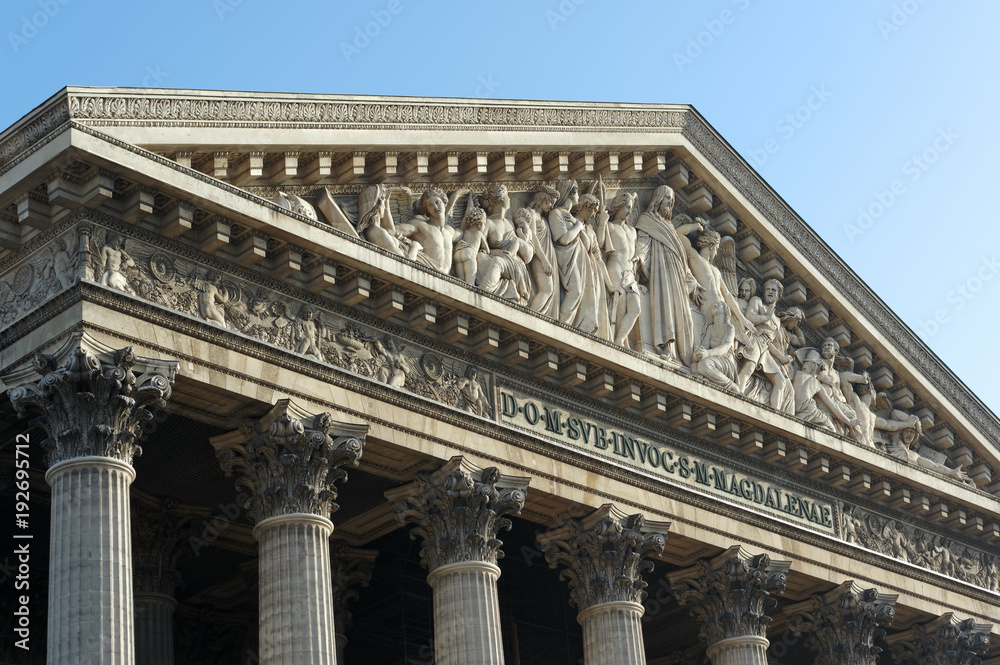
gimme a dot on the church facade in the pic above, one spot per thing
(332, 379)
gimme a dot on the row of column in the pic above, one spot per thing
(92, 400)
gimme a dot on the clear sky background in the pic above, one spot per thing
(903, 124)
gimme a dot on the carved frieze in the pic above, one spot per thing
(929, 550)
(271, 316)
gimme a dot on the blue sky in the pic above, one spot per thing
(879, 107)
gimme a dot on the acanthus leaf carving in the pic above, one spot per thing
(841, 625)
(604, 555)
(290, 460)
(942, 641)
(90, 400)
(730, 593)
(457, 511)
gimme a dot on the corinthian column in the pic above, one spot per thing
(350, 568)
(92, 400)
(288, 461)
(156, 534)
(457, 512)
(602, 557)
(943, 641)
(728, 595)
(841, 625)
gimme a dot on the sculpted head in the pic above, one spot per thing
(720, 312)
(433, 203)
(545, 197)
(475, 218)
(709, 239)
(830, 348)
(587, 207)
(747, 288)
(523, 218)
(569, 194)
(662, 203)
(495, 197)
(792, 317)
(773, 291)
(622, 205)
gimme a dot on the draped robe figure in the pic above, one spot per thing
(663, 260)
(579, 306)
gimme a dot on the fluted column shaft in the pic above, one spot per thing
(612, 634)
(90, 563)
(154, 629)
(742, 650)
(466, 614)
(296, 602)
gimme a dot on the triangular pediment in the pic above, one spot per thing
(277, 186)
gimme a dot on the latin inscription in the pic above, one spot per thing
(624, 447)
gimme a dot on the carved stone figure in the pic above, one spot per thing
(375, 223)
(619, 243)
(839, 386)
(306, 334)
(663, 260)
(543, 265)
(762, 315)
(578, 306)
(808, 389)
(211, 298)
(747, 289)
(430, 228)
(597, 283)
(715, 357)
(59, 268)
(471, 396)
(472, 242)
(503, 268)
(393, 369)
(112, 260)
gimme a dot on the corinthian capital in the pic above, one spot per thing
(943, 641)
(603, 555)
(457, 511)
(730, 592)
(289, 460)
(842, 624)
(91, 398)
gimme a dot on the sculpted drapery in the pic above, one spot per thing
(663, 260)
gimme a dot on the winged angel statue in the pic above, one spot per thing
(398, 221)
